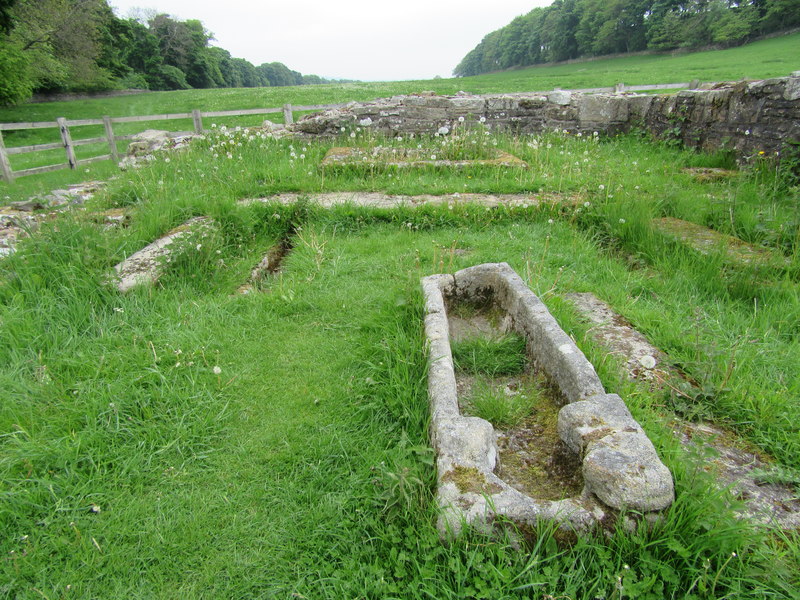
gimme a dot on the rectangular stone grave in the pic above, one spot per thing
(707, 241)
(618, 463)
(404, 158)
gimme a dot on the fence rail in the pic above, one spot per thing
(68, 144)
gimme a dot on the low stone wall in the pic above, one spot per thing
(747, 117)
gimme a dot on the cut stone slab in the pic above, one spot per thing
(406, 158)
(379, 200)
(706, 241)
(735, 467)
(643, 361)
(742, 471)
(469, 491)
(144, 266)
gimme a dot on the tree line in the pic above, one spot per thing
(81, 45)
(570, 29)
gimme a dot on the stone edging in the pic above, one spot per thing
(144, 266)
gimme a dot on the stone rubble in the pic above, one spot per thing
(19, 219)
(143, 145)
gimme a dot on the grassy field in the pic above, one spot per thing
(187, 441)
(768, 58)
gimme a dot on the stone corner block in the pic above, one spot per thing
(623, 470)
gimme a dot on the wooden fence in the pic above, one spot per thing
(69, 145)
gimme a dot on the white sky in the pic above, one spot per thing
(351, 39)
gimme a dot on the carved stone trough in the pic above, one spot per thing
(620, 467)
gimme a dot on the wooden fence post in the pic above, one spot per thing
(287, 114)
(67, 140)
(112, 143)
(198, 121)
(5, 166)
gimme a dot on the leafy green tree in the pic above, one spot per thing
(5, 15)
(60, 41)
(15, 83)
(169, 78)
(732, 24)
(780, 14)
(559, 27)
(278, 74)
(174, 40)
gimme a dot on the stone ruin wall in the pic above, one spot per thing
(746, 117)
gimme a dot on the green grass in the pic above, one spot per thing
(301, 466)
(502, 410)
(758, 60)
(490, 356)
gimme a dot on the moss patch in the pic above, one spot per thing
(470, 479)
(533, 459)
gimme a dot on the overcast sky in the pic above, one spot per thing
(368, 40)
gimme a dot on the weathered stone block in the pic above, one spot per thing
(586, 421)
(560, 97)
(624, 471)
(792, 89)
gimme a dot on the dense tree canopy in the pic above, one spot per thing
(578, 28)
(81, 45)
